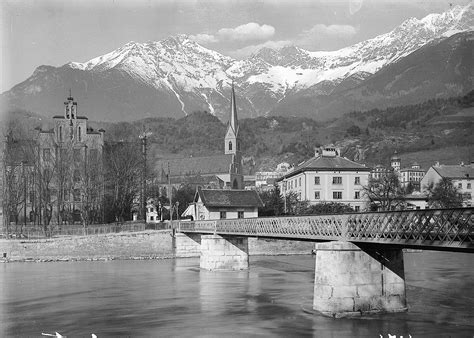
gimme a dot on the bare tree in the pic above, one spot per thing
(385, 192)
(123, 175)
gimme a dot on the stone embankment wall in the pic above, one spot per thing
(126, 245)
(149, 244)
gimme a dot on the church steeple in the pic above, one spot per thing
(232, 141)
(70, 108)
(233, 121)
(232, 145)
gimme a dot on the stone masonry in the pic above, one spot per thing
(224, 253)
(354, 280)
(187, 245)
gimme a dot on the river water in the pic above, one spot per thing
(162, 298)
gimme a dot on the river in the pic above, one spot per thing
(162, 298)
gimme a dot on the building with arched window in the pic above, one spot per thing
(63, 183)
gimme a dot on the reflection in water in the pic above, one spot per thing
(176, 298)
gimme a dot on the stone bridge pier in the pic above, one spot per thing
(355, 279)
(224, 253)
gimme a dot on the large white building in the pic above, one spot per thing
(461, 175)
(328, 177)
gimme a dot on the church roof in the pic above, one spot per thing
(208, 165)
(229, 198)
(77, 117)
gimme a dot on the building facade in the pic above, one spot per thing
(328, 177)
(62, 172)
(461, 175)
(411, 176)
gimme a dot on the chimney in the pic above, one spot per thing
(461, 164)
(436, 164)
(316, 152)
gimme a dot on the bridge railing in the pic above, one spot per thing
(435, 227)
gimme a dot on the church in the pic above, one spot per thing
(214, 172)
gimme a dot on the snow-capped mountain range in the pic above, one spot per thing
(176, 76)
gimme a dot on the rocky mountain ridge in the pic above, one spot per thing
(176, 76)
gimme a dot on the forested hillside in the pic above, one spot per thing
(431, 130)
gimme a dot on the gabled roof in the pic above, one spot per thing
(229, 198)
(327, 163)
(455, 171)
(209, 165)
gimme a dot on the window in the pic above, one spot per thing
(468, 186)
(357, 195)
(60, 133)
(240, 214)
(317, 195)
(46, 154)
(223, 215)
(94, 155)
(230, 145)
(151, 209)
(152, 218)
(460, 185)
(357, 208)
(299, 182)
(316, 180)
(77, 175)
(357, 180)
(337, 180)
(79, 136)
(77, 195)
(32, 196)
(337, 195)
(77, 155)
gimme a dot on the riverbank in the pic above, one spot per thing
(143, 245)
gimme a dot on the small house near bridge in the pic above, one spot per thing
(211, 204)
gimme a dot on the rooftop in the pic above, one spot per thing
(229, 198)
(455, 171)
(209, 165)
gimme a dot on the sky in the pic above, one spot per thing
(55, 32)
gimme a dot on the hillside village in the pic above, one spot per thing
(337, 172)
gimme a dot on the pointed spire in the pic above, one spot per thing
(233, 121)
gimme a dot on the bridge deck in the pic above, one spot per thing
(433, 229)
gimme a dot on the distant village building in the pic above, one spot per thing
(220, 171)
(415, 201)
(328, 177)
(408, 176)
(412, 176)
(461, 175)
(379, 170)
(60, 172)
(211, 204)
(267, 179)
